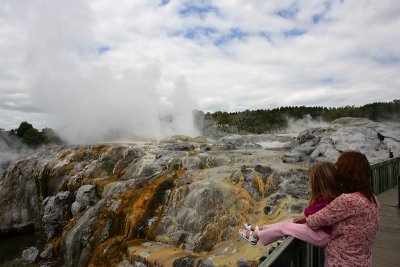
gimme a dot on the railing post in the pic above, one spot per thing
(398, 191)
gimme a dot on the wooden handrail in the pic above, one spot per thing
(384, 175)
(296, 253)
(398, 191)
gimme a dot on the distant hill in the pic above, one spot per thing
(266, 120)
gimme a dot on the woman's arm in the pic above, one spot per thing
(339, 209)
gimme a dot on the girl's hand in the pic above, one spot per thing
(300, 219)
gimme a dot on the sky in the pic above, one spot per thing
(96, 70)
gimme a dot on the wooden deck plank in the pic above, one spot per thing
(386, 246)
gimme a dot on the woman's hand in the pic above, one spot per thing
(300, 219)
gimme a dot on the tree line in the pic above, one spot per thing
(32, 137)
(248, 121)
(265, 120)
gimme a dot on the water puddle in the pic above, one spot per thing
(11, 246)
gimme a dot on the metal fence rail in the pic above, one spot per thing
(296, 253)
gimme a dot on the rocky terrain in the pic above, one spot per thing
(376, 140)
(175, 202)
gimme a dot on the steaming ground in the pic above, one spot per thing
(150, 130)
(10, 150)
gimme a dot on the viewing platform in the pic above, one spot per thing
(386, 186)
(386, 245)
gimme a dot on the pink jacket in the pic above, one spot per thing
(319, 204)
(355, 222)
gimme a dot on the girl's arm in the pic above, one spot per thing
(338, 210)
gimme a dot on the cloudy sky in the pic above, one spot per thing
(94, 68)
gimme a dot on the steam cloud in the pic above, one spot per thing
(94, 99)
(104, 108)
(11, 150)
(296, 126)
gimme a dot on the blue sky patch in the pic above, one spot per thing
(197, 10)
(235, 33)
(328, 4)
(218, 38)
(288, 13)
(387, 59)
(294, 32)
(164, 2)
(318, 17)
(266, 35)
(326, 81)
(195, 32)
(102, 49)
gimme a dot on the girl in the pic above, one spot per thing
(353, 215)
(322, 185)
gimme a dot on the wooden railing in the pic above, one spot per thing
(384, 175)
(293, 252)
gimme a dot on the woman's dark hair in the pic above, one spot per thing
(354, 173)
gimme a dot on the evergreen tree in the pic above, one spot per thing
(31, 136)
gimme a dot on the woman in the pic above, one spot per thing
(354, 215)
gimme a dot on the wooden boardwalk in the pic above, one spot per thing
(386, 247)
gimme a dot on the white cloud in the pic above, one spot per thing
(219, 55)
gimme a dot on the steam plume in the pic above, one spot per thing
(93, 96)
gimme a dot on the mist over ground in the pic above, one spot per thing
(11, 150)
(296, 126)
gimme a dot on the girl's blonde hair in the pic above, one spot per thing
(322, 181)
